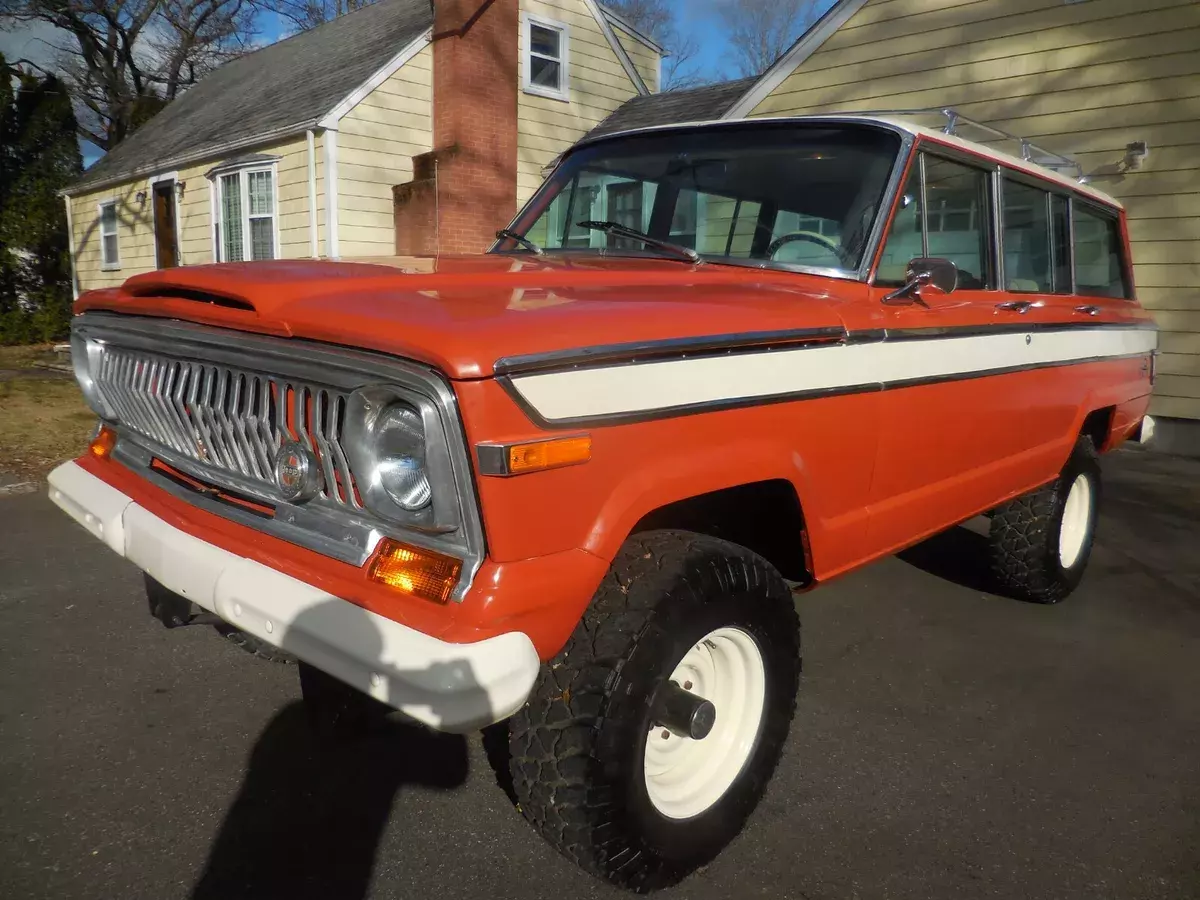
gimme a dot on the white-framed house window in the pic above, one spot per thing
(245, 214)
(110, 244)
(546, 57)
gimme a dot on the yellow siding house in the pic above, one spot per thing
(1093, 79)
(293, 151)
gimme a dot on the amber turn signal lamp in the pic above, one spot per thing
(102, 444)
(418, 573)
(533, 456)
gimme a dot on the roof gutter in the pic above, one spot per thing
(187, 159)
(619, 20)
(617, 47)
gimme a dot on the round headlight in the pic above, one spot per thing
(400, 451)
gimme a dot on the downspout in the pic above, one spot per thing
(331, 194)
(71, 249)
(314, 247)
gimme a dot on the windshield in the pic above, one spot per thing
(800, 194)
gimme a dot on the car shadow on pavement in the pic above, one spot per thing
(959, 555)
(312, 808)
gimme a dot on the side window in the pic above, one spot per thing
(110, 251)
(545, 61)
(1027, 263)
(904, 240)
(1060, 233)
(957, 219)
(1098, 268)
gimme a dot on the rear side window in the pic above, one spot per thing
(1099, 269)
(1027, 255)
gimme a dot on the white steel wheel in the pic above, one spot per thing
(686, 777)
(1076, 521)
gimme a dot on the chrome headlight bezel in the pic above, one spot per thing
(363, 416)
(85, 359)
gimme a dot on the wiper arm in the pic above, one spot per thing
(505, 233)
(625, 231)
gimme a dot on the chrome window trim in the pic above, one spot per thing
(349, 535)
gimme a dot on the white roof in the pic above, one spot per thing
(969, 146)
(933, 134)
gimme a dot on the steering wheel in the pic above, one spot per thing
(810, 236)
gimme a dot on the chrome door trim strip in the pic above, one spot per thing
(668, 348)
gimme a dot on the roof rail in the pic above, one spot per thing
(1030, 152)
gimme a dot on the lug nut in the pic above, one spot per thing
(687, 685)
(665, 734)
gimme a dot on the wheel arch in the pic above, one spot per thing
(1097, 425)
(765, 517)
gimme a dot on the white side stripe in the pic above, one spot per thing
(644, 387)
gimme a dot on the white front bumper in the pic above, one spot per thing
(450, 687)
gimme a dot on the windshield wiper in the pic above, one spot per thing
(505, 233)
(625, 231)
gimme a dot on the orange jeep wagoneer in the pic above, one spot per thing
(570, 484)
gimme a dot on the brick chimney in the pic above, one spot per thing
(466, 188)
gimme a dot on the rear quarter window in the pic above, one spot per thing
(1099, 256)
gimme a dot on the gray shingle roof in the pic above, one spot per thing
(280, 89)
(695, 105)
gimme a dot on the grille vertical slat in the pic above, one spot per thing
(227, 419)
(324, 452)
(335, 444)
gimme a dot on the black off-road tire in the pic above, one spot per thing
(253, 645)
(1024, 535)
(577, 747)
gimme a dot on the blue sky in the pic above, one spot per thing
(695, 18)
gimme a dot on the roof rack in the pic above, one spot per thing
(1030, 152)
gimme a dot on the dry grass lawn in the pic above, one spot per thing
(43, 419)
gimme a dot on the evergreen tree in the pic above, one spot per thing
(39, 156)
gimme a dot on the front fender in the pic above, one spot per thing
(824, 447)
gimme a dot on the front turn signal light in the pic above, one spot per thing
(102, 444)
(533, 456)
(418, 573)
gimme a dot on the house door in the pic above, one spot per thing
(166, 241)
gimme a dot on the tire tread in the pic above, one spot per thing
(554, 738)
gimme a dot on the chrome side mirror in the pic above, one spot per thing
(924, 273)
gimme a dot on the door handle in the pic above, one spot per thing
(1018, 306)
(1088, 310)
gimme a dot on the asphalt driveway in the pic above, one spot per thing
(949, 743)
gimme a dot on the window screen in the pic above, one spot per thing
(231, 218)
(545, 59)
(109, 248)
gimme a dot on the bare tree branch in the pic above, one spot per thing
(124, 59)
(761, 31)
(306, 14)
(657, 19)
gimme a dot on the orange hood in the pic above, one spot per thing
(461, 314)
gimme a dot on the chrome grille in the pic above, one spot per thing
(230, 419)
